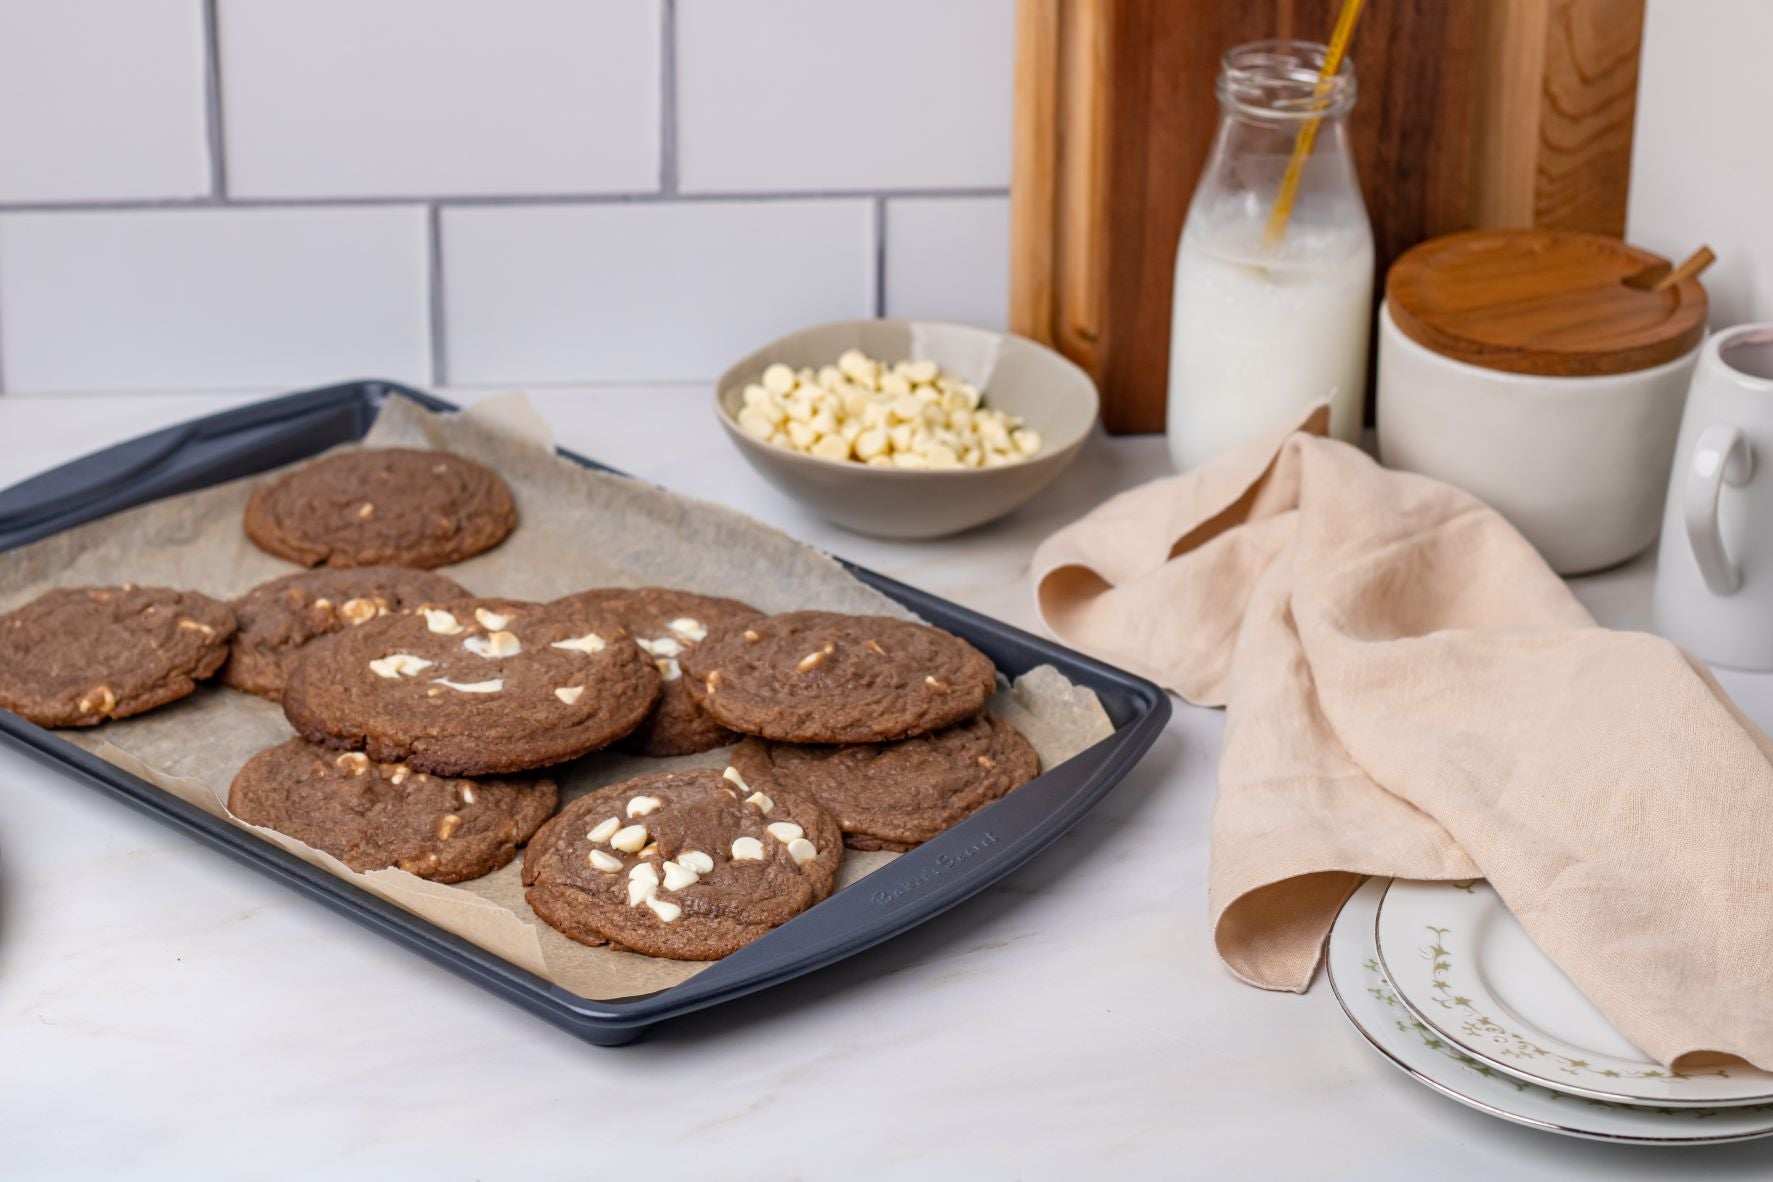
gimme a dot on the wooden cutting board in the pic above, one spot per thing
(1471, 113)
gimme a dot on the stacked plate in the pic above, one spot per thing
(1443, 980)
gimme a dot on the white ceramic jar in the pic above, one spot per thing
(1578, 464)
(1519, 366)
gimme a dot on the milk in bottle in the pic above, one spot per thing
(1262, 328)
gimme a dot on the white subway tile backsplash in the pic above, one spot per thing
(843, 94)
(375, 98)
(212, 298)
(948, 258)
(640, 292)
(102, 100)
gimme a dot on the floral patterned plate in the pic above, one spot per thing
(1372, 1004)
(1463, 963)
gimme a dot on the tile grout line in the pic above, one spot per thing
(434, 257)
(503, 199)
(880, 262)
(212, 100)
(690, 387)
(668, 98)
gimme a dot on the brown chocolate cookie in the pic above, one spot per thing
(473, 687)
(665, 622)
(79, 655)
(382, 505)
(373, 815)
(820, 677)
(279, 617)
(685, 865)
(892, 796)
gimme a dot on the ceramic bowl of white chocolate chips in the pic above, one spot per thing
(907, 428)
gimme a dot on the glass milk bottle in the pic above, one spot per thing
(1262, 327)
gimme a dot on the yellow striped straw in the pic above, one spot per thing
(1326, 78)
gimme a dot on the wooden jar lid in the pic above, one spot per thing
(1551, 302)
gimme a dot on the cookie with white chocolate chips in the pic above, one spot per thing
(666, 622)
(372, 815)
(77, 656)
(821, 677)
(685, 865)
(473, 687)
(382, 505)
(893, 796)
(279, 617)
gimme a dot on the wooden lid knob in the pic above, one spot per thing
(1551, 302)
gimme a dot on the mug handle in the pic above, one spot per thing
(1721, 457)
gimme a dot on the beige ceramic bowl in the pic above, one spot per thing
(1013, 374)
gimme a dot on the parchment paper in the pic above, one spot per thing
(576, 529)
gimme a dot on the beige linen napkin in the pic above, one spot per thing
(1413, 693)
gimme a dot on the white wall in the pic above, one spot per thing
(1702, 162)
(207, 194)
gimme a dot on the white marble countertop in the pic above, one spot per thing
(167, 1012)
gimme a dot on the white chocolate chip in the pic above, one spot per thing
(569, 693)
(747, 849)
(909, 415)
(814, 659)
(935, 683)
(493, 645)
(360, 610)
(588, 643)
(642, 887)
(650, 850)
(629, 839)
(398, 776)
(687, 628)
(678, 876)
(604, 830)
(641, 806)
(759, 420)
(440, 621)
(732, 773)
(472, 687)
(665, 646)
(365, 511)
(696, 860)
(447, 826)
(784, 831)
(467, 794)
(663, 908)
(669, 669)
(397, 665)
(357, 761)
(490, 620)
(762, 803)
(608, 863)
(802, 851)
(778, 379)
(196, 626)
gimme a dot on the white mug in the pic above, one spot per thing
(1714, 578)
